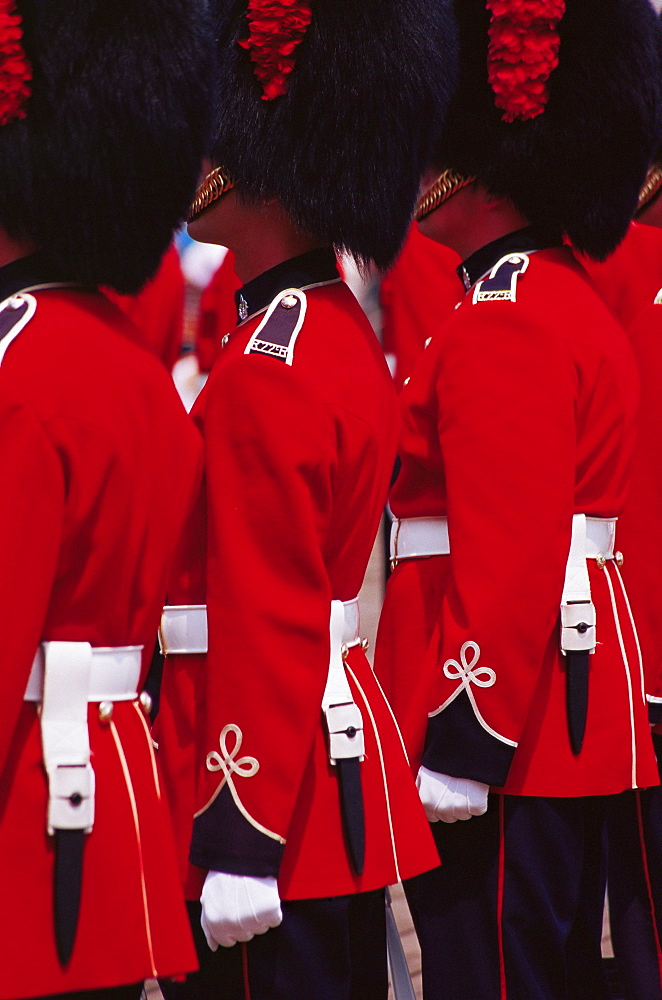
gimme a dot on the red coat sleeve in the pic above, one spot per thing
(270, 459)
(507, 391)
(31, 522)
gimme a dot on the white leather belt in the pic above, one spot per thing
(600, 537)
(65, 678)
(351, 635)
(184, 628)
(418, 537)
(114, 674)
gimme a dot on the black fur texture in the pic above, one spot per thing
(581, 163)
(344, 149)
(104, 165)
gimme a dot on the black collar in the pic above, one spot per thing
(317, 267)
(522, 241)
(28, 272)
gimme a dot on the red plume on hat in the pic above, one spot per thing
(15, 70)
(276, 29)
(522, 54)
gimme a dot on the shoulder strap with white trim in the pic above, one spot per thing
(501, 283)
(278, 331)
(15, 313)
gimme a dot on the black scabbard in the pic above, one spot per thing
(577, 665)
(67, 885)
(351, 802)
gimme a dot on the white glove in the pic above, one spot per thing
(237, 907)
(449, 799)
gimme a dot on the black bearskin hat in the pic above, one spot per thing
(580, 163)
(102, 167)
(652, 187)
(344, 146)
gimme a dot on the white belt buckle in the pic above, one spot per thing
(71, 797)
(578, 626)
(345, 727)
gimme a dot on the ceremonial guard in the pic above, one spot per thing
(104, 111)
(305, 806)
(631, 280)
(507, 643)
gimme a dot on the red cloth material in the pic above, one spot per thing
(298, 462)
(628, 281)
(158, 310)
(631, 277)
(217, 314)
(417, 294)
(101, 466)
(638, 528)
(519, 415)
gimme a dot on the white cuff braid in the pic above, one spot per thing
(449, 799)
(237, 907)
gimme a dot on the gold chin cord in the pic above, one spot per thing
(652, 185)
(215, 184)
(445, 186)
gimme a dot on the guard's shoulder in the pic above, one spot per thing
(15, 313)
(277, 333)
(501, 282)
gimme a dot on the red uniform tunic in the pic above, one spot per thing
(629, 282)
(519, 415)
(217, 314)
(631, 277)
(419, 291)
(639, 533)
(298, 459)
(100, 467)
(158, 310)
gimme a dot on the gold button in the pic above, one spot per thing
(145, 703)
(365, 645)
(225, 339)
(600, 562)
(427, 343)
(105, 712)
(407, 380)
(618, 557)
(289, 301)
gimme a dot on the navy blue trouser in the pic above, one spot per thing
(634, 878)
(515, 910)
(325, 949)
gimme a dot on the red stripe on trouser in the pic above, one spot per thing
(500, 890)
(647, 877)
(244, 967)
